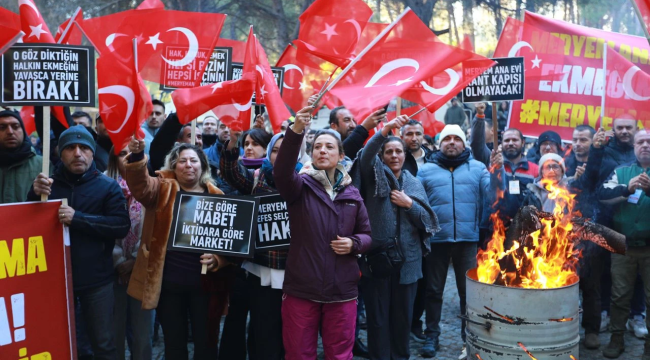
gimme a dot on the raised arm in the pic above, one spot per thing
(477, 141)
(144, 188)
(232, 171)
(288, 183)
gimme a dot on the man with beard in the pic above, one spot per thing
(413, 136)
(576, 161)
(153, 123)
(104, 145)
(342, 121)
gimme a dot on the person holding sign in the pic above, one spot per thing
(329, 229)
(266, 270)
(171, 281)
(403, 221)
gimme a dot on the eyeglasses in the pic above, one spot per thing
(553, 167)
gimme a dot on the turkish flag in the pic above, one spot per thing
(9, 18)
(124, 102)
(266, 89)
(8, 37)
(238, 48)
(332, 29)
(69, 31)
(151, 4)
(27, 114)
(511, 34)
(228, 99)
(299, 73)
(167, 40)
(33, 24)
(406, 55)
(644, 9)
(440, 88)
(627, 92)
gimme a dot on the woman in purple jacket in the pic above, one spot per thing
(329, 229)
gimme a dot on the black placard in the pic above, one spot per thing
(218, 69)
(272, 223)
(213, 224)
(48, 74)
(278, 74)
(502, 82)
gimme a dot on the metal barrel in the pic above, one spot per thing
(516, 323)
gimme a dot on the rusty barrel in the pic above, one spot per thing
(515, 323)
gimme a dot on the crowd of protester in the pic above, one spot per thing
(376, 221)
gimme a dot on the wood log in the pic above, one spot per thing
(600, 235)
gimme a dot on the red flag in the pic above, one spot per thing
(167, 40)
(238, 48)
(27, 114)
(644, 9)
(627, 93)
(511, 34)
(467, 44)
(299, 72)
(440, 88)
(9, 18)
(124, 102)
(404, 56)
(228, 99)
(8, 37)
(72, 33)
(33, 24)
(332, 29)
(151, 4)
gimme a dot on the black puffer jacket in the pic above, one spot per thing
(100, 217)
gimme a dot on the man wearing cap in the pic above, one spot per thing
(19, 164)
(454, 183)
(96, 215)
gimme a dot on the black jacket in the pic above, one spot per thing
(100, 217)
(615, 155)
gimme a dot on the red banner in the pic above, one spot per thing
(36, 311)
(564, 76)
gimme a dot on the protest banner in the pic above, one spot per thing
(501, 82)
(565, 78)
(36, 301)
(273, 231)
(278, 74)
(213, 224)
(48, 74)
(218, 69)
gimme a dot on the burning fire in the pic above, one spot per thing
(544, 259)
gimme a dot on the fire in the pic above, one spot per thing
(544, 259)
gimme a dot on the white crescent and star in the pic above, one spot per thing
(536, 62)
(110, 38)
(154, 41)
(627, 85)
(356, 26)
(260, 70)
(192, 51)
(391, 66)
(330, 30)
(37, 31)
(127, 94)
(216, 86)
(454, 78)
(31, 5)
(288, 67)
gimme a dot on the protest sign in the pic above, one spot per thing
(565, 80)
(273, 231)
(36, 301)
(501, 82)
(213, 224)
(48, 74)
(278, 74)
(218, 67)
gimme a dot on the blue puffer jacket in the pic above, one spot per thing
(455, 197)
(100, 217)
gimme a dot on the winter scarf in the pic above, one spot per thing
(452, 163)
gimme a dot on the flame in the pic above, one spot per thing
(545, 259)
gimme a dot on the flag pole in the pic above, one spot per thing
(602, 98)
(194, 132)
(398, 110)
(417, 112)
(12, 42)
(640, 17)
(46, 145)
(363, 52)
(69, 26)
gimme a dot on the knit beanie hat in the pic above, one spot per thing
(554, 157)
(76, 135)
(550, 136)
(453, 129)
(16, 115)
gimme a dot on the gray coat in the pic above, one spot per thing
(417, 224)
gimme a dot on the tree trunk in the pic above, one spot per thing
(468, 19)
(282, 30)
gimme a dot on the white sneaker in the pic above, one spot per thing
(637, 325)
(604, 321)
(463, 353)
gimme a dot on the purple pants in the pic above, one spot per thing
(301, 320)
